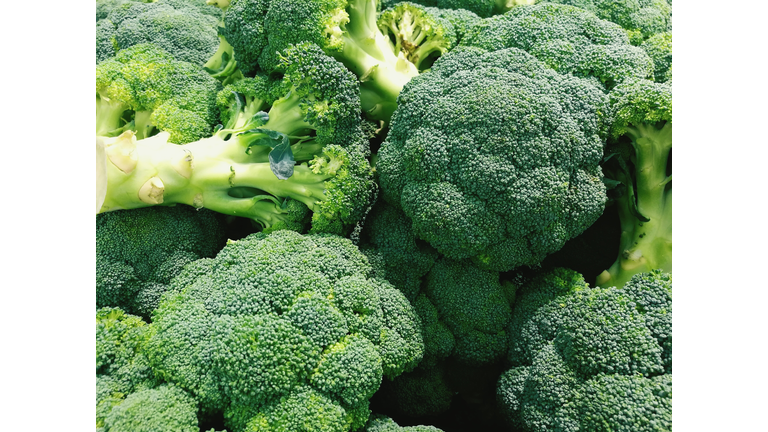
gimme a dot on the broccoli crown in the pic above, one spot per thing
(460, 19)
(494, 157)
(640, 102)
(567, 39)
(473, 305)
(144, 89)
(179, 27)
(381, 423)
(640, 19)
(659, 49)
(403, 259)
(166, 408)
(277, 321)
(139, 252)
(244, 31)
(587, 358)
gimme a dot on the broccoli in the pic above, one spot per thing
(284, 331)
(179, 27)
(584, 358)
(165, 408)
(243, 31)
(347, 31)
(381, 423)
(659, 49)
(394, 251)
(640, 19)
(495, 157)
(639, 161)
(234, 172)
(121, 366)
(483, 8)
(138, 252)
(144, 89)
(567, 39)
(423, 34)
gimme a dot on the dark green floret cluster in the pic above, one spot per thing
(383, 215)
(588, 358)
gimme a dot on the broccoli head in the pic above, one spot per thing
(138, 252)
(284, 331)
(381, 423)
(567, 39)
(659, 49)
(583, 358)
(495, 157)
(640, 19)
(179, 27)
(165, 408)
(144, 89)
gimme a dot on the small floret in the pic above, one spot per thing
(483, 8)
(381, 423)
(145, 90)
(138, 252)
(659, 49)
(166, 408)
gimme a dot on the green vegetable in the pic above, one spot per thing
(235, 172)
(280, 328)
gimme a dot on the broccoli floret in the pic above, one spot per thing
(179, 27)
(473, 305)
(640, 160)
(392, 247)
(640, 19)
(483, 8)
(381, 423)
(284, 329)
(567, 39)
(586, 358)
(250, 171)
(166, 408)
(106, 44)
(495, 157)
(347, 31)
(121, 365)
(144, 89)
(244, 30)
(659, 49)
(422, 34)
(139, 252)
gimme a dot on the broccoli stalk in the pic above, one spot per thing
(369, 54)
(644, 117)
(218, 174)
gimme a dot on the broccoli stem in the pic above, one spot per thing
(109, 115)
(369, 54)
(142, 173)
(645, 246)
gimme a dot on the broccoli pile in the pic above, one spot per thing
(383, 215)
